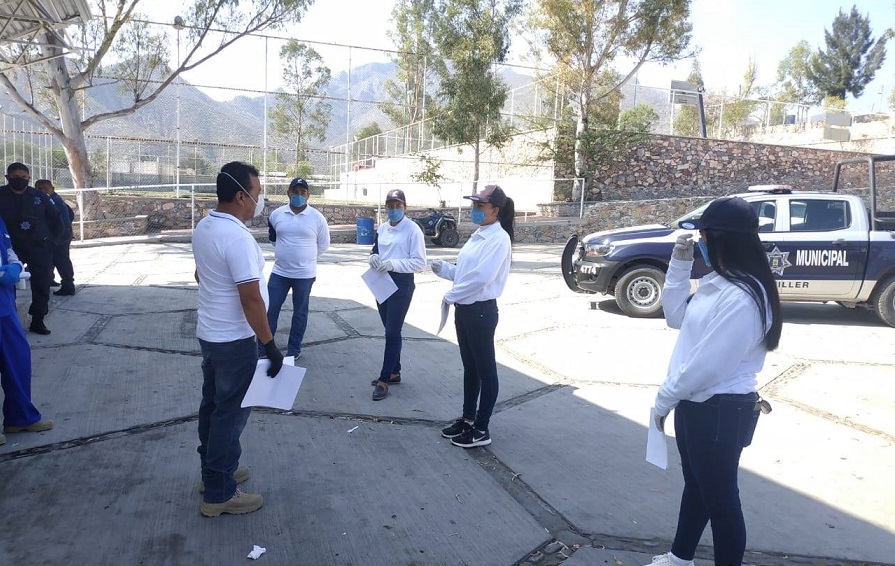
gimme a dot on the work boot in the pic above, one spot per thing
(38, 326)
(64, 292)
(239, 504)
(241, 475)
(39, 426)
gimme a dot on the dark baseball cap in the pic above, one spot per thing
(491, 194)
(298, 182)
(729, 214)
(395, 194)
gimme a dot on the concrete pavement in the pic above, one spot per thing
(351, 482)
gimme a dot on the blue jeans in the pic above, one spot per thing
(15, 373)
(227, 369)
(277, 288)
(710, 437)
(475, 325)
(392, 312)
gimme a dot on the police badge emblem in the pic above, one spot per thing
(778, 261)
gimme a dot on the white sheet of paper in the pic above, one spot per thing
(445, 309)
(656, 447)
(279, 392)
(380, 283)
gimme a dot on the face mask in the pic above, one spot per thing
(704, 250)
(18, 183)
(297, 201)
(395, 214)
(259, 204)
(477, 215)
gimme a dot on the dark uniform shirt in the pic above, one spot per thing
(31, 219)
(66, 215)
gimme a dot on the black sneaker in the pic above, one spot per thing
(472, 438)
(381, 392)
(459, 427)
(391, 380)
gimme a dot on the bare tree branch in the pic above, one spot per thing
(29, 108)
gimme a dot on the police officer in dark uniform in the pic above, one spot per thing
(34, 227)
(61, 255)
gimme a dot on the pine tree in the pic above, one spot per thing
(851, 58)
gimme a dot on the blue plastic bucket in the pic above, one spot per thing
(365, 231)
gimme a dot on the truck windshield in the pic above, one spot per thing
(690, 216)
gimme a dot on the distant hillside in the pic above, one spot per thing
(238, 121)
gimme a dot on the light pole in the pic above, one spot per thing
(178, 25)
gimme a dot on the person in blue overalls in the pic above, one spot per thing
(19, 413)
(399, 249)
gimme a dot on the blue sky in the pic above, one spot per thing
(728, 33)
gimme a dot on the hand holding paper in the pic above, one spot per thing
(380, 283)
(445, 308)
(656, 447)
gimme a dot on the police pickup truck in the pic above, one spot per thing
(821, 246)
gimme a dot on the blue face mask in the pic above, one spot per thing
(477, 215)
(704, 250)
(297, 201)
(395, 214)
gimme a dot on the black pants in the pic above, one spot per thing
(40, 264)
(62, 263)
(710, 437)
(392, 313)
(475, 325)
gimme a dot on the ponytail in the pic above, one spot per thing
(507, 218)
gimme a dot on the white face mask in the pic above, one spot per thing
(259, 204)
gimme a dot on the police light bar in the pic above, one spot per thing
(775, 189)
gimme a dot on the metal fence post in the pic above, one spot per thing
(80, 199)
(192, 207)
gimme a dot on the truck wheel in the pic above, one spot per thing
(450, 238)
(436, 241)
(639, 292)
(884, 304)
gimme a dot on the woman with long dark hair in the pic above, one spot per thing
(727, 328)
(479, 277)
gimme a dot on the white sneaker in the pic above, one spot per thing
(669, 559)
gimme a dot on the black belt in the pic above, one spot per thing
(483, 303)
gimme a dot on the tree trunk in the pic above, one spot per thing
(475, 173)
(72, 139)
(581, 127)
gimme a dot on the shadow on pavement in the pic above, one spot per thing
(349, 481)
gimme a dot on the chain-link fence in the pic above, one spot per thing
(172, 148)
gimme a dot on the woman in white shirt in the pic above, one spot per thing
(727, 328)
(479, 279)
(399, 249)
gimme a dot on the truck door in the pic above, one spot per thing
(821, 250)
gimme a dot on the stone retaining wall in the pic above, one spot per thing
(673, 166)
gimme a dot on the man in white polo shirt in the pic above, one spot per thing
(299, 234)
(232, 315)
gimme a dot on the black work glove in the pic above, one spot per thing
(275, 357)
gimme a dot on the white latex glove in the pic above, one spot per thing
(436, 265)
(660, 422)
(386, 265)
(375, 262)
(683, 248)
